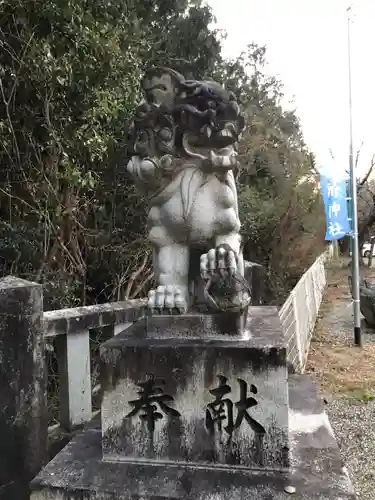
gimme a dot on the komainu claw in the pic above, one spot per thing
(166, 299)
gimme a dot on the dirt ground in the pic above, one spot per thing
(339, 367)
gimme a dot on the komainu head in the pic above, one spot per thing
(185, 117)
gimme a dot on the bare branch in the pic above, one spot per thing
(6, 103)
(141, 286)
(358, 153)
(135, 275)
(364, 180)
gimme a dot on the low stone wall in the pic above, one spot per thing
(77, 319)
(299, 313)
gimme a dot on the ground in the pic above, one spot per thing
(345, 375)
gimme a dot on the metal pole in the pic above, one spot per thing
(354, 212)
(350, 183)
(350, 215)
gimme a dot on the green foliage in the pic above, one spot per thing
(280, 205)
(67, 86)
(69, 81)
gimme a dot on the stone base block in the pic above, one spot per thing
(23, 416)
(192, 325)
(203, 401)
(317, 473)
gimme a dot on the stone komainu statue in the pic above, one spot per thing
(184, 138)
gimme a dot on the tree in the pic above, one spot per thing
(366, 204)
(69, 81)
(280, 203)
(365, 207)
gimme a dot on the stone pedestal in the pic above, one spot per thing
(78, 472)
(200, 399)
(195, 410)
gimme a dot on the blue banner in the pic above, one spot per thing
(336, 209)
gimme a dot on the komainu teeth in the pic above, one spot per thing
(224, 133)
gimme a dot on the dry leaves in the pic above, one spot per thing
(337, 365)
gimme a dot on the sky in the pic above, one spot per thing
(307, 49)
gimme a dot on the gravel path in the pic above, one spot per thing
(353, 421)
(354, 427)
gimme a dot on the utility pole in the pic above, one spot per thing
(354, 210)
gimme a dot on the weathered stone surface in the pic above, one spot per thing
(196, 399)
(317, 473)
(367, 302)
(191, 325)
(255, 276)
(68, 321)
(185, 135)
(23, 424)
(262, 324)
